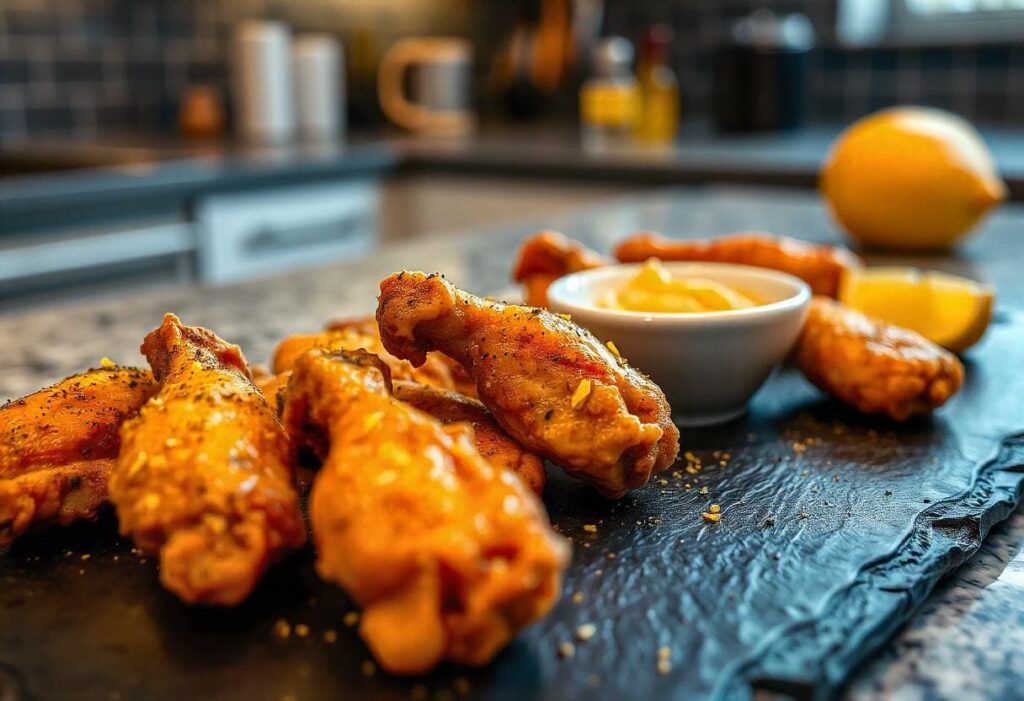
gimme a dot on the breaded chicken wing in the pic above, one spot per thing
(448, 407)
(58, 445)
(204, 475)
(361, 333)
(547, 256)
(549, 383)
(447, 556)
(873, 366)
(820, 266)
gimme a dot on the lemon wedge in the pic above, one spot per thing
(948, 310)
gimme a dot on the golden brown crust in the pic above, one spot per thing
(57, 447)
(820, 266)
(496, 446)
(447, 556)
(549, 383)
(547, 256)
(204, 475)
(874, 367)
(361, 334)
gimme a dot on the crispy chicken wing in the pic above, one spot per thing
(818, 265)
(204, 476)
(447, 556)
(489, 440)
(57, 447)
(361, 333)
(875, 367)
(547, 256)
(549, 383)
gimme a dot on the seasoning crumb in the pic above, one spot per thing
(368, 668)
(585, 632)
(107, 363)
(610, 556)
(282, 629)
(581, 394)
(664, 652)
(802, 515)
(86, 556)
(888, 492)
(351, 618)
(777, 556)
(715, 509)
(769, 522)
(302, 630)
(330, 636)
(590, 528)
(703, 491)
(577, 597)
(566, 649)
(711, 518)
(663, 482)
(664, 666)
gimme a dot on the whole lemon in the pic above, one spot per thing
(910, 178)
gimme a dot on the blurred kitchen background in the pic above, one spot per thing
(166, 142)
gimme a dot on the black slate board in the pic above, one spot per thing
(822, 552)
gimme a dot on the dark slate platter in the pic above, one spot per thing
(834, 528)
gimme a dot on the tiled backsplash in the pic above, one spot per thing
(82, 66)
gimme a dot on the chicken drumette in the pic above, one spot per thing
(488, 438)
(549, 383)
(204, 474)
(875, 367)
(819, 265)
(547, 256)
(58, 445)
(447, 556)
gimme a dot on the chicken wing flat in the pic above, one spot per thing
(58, 445)
(820, 266)
(547, 256)
(447, 556)
(874, 367)
(549, 383)
(204, 475)
(356, 334)
(493, 444)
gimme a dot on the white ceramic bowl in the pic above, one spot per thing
(709, 364)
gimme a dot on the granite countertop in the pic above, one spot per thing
(179, 170)
(967, 641)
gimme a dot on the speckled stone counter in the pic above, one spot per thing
(966, 643)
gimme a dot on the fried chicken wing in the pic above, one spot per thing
(361, 333)
(489, 440)
(549, 383)
(447, 556)
(818, 265)
(547, 256)
(204, 475)
(873, 366)
(57, 447)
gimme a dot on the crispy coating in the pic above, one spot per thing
(874, 367)
(57, 447)
(204, 476)
(820, 266)
(488, 438)
(447, 556)
(361, 333)
(549, 383)
(547, 256)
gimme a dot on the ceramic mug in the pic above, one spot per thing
(439, 85)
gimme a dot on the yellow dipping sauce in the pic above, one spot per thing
(654, 289)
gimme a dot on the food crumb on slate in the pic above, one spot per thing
(351, 618)
(585, 632)
(282, 629)
(577, 597)
(590, 528)
(330, 636)
(301, 630)
(566, 649)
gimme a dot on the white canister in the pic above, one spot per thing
(318, 76)
(261, 82)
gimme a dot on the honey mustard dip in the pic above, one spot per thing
(655, 289)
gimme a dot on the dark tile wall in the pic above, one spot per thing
(983, 83)
(84, 66)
